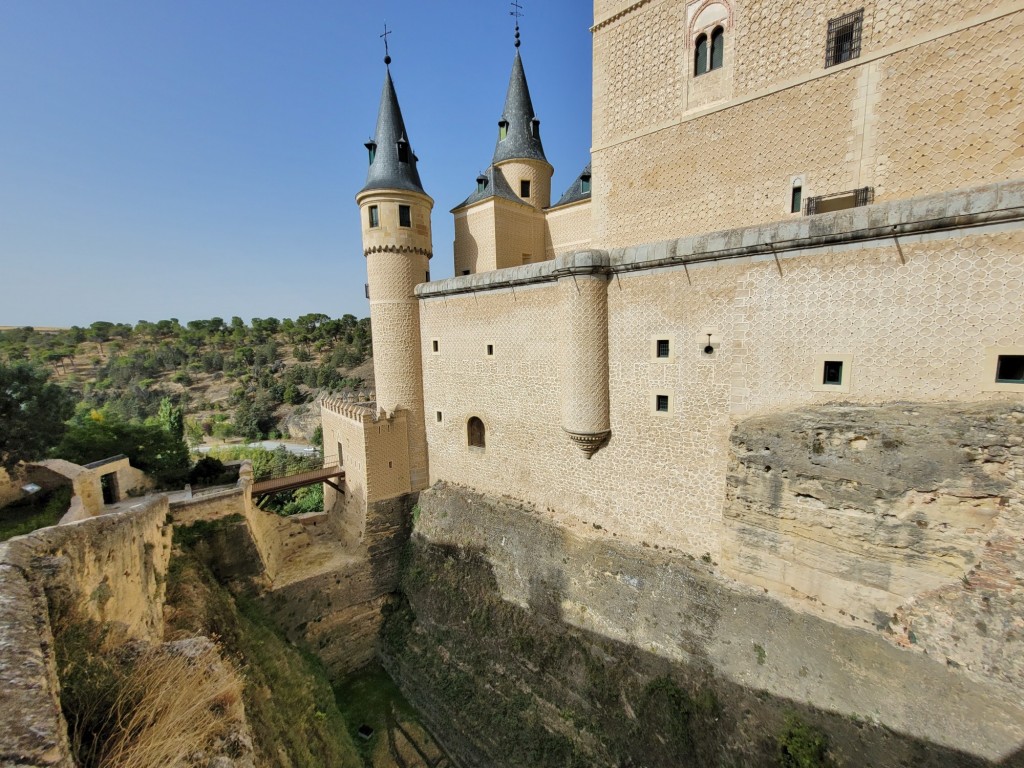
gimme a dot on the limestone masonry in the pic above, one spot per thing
(790, 280)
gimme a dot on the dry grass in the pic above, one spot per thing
(175, 702)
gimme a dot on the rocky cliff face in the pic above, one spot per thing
(904, 518)
(524, 642)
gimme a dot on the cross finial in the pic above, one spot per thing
(517, 12)
(387, 54)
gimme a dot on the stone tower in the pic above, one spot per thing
(395, 213)
(502, 223)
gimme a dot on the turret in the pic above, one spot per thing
(519, 152)
(395, 214)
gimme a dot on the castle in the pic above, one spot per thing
(752, 329)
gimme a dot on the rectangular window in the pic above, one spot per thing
(796, 199)
(524, 188)
(832, 373)
(437, 345)
(840, 201)
(366, 289)
(1010, 369)
(439, 416)
(490, 349)
(465, 271)
(404, 216)
(585, 185)
(843, 42)
(374, 216)
(663, 347)
(427, 278)
(661, 403)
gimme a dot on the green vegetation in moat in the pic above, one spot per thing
(289, 703)
(370, 697)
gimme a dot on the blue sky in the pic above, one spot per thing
(199, 158)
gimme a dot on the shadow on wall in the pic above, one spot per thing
(502, 684)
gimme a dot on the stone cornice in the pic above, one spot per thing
(398, 249)
(602, 23)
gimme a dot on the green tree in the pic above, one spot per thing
(32, 413)
(97, 435)
(171, 418)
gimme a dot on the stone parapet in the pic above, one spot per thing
(990, 204)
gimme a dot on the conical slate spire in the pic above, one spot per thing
(392, 161)
(519, 125)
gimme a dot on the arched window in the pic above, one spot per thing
(717, 47)
(477, 433)
(700, 55)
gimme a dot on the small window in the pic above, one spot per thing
(404, 216)
(717, 48)
(1010, 369)
(832, 373)
(663, 348)
(439, 417)
(476, 433)
(481, 183)
(427, 277)
(490, 350)
(371, 148)
(796, 199)
(524, 188)
(465, 271)
(843, 43)
(527, 258)
(585, 184)
(535, 128)
(403, 151)
(436, 345)
(502, 130)
(366, 289)
(700, 55)
(374, 216)
(661, 403)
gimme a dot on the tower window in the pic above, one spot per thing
(832, 373)
(481, 183)
(403, 151)
(436, 345)
(439, 417)
(843, 42)
(371, 148)
(465, 272)
(524, 188)
(490, 349)
(1010, 369)
(535, 128)
(476, 433)
(700, 55)
(661, 403)
(663, 348)
(374, 212)
(427, 276)
(717, 48)
(404, 216)
(585, 184)
(502, 130)
(796, 199)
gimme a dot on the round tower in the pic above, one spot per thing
(519, 152)
(395, 213)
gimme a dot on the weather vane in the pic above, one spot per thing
(387, 54)
(517, 12)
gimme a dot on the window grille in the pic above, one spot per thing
(839, 202)
(843, 43)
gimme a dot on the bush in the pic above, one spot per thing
(802, 746)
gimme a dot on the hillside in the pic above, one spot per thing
(231, 379)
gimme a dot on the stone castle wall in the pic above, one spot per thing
(567, 230)
(928, 106)
(912, 320)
